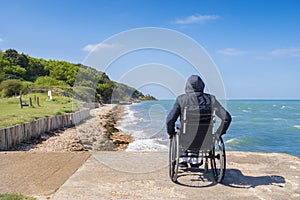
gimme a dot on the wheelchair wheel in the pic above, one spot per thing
(174, 158)
(218, 160)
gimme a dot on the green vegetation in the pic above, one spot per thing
(21, 74)
(15, 197)
(10, 87)
(12, 114)
(24, 76)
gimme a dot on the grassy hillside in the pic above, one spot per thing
(23, 75)
(20, 74)
(11, 112)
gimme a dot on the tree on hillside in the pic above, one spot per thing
(15, 71)
(16, 58)
(4, 63)
(35, 69)
(104, 79)
(63, 71)
(105, 90)
(87, 77)
(11, 65)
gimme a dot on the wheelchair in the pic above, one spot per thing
(196, 138)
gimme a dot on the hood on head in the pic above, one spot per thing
(194, 84)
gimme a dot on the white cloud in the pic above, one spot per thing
(96, 47)
(231, 52)
(292, 52)
(196, 19)
(1, 40)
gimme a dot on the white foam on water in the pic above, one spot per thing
(128, 118)
(279, 119)
(233, 140)
(128, 115)
(246, 111)
(144, 140)
(138, 135)
(297, 126)
(148, 145)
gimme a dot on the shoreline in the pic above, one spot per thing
(111, 120)
(97, 133)
(100, 132)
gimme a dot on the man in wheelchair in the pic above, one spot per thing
(206, 105)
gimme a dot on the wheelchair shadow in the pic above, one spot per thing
(195, 177)
(233, 178)
(236, 179)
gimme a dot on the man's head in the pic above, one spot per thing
(194, 84)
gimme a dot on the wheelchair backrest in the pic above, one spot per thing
(196, 131)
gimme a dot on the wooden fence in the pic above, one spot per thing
(14, 135)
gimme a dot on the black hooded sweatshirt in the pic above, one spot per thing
(194, 95)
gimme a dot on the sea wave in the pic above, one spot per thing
(246, 111)
(127, 120)
(297, 126)
(279, 119)
(149, 134)
(148, 145)
(232, 141)
(266, 127)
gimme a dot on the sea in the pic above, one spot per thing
(257, 125)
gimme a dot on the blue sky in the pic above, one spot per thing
(255, 44)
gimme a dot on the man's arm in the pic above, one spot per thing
(224, 115)
(172, 118)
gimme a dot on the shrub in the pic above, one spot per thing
(10, 87)
(47, 81)
(26, 86)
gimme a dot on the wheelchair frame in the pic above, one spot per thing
(215, 154)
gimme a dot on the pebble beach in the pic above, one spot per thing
(97, 133)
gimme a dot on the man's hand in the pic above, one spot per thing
(170, 136)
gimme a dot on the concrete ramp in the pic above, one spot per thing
(37, 174)
(129, 175)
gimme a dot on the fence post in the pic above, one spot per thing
(21, 102)
(30, 101)
(2, 140)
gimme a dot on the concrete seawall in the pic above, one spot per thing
(144, 175)
(14, 135)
